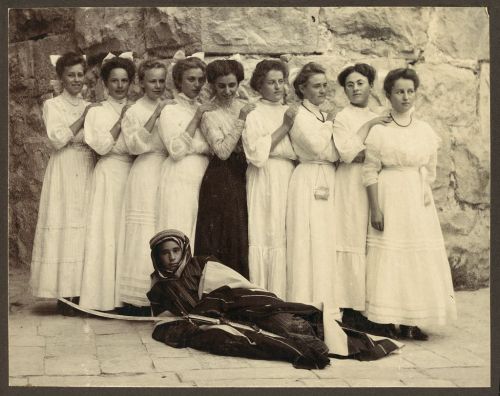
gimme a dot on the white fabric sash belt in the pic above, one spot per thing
(422, 171)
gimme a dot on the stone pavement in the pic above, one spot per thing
(46, 349)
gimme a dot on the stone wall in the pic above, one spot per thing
(449, 48)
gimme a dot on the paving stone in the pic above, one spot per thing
(268, 363)
(63, 350)
(472, 383)
(26, 340)
(216, 361)
(137, 364)
(176, 364)
(428, 359)
(325, 383)
(22, 328)
(368, 372)
(18, 381)
(245, 373)
(125, 351)
(118, 339)
(463, 359)
(79, 339)
(146, 338)
(460, 373)
(110, 326)
(159, 350)
(429, 383)
(254, 383)
(26, 361)
(142, 380)
(63, 327)
(72, 365)
(381, 383)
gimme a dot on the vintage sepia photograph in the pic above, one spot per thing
(249, 197)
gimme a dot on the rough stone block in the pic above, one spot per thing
(167, 29)
(21, 67)
(118, 339)
(112, 351)
(458, 33)
(160, 350)
(35, 23)
(245, 373)
(325, 383)
(375, 383)
(26, 340)
(132, 380)
(254, 29)
(103, 29)
(381, 31)
(429, 359)
(18, 381)
(255, 383)
(110, 326)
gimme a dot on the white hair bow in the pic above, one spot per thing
(125, 55)
(54, 58)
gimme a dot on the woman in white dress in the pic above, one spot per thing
(408, 279)
(102, 134)
(140, 131)
(58, 248)
(310, 220)
(184, 168)
(270, 156)
(351, 199)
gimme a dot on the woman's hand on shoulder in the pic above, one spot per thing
(289, 116)
(245, 110)
(383, 119)
(202, 109)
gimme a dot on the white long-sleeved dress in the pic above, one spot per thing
(105, 208)
(58, 248)
(408, 278)
(268, 175)
(351, 209)
(182, 172)
(138, 224)
(310, 221)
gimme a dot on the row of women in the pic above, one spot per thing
(316, 208)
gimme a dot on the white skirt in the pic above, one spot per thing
(58, 248)
(408, 276)
(267, 191)
(101, 239)
(310, 229)
(351, 219)
(178, 193)
(138, 225)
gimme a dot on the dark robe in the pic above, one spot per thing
(222, 222)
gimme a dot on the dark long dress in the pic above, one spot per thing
(222, 224)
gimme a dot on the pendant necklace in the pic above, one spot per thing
(314, 114)
(402, 126)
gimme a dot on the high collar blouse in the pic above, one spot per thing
(173, 121)
(137, 138)
(222, 128)
(98, 124)
(347, 123)
(259, 126)
(312, 139)
(59, 114)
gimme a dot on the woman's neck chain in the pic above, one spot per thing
(402, 126)
(322, 119)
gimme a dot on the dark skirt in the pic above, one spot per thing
(222, 223)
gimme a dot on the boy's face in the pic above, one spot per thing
(169, 256)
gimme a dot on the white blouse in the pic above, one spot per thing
(223, 129)
(312, 139)
(59, 114)
(259, 126)
(392, 146)
(137, 138)
(173, 122)
(345, 127)
(98, 124)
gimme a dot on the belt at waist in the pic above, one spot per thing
(120, 157)
(422, 172)
(317, 162)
